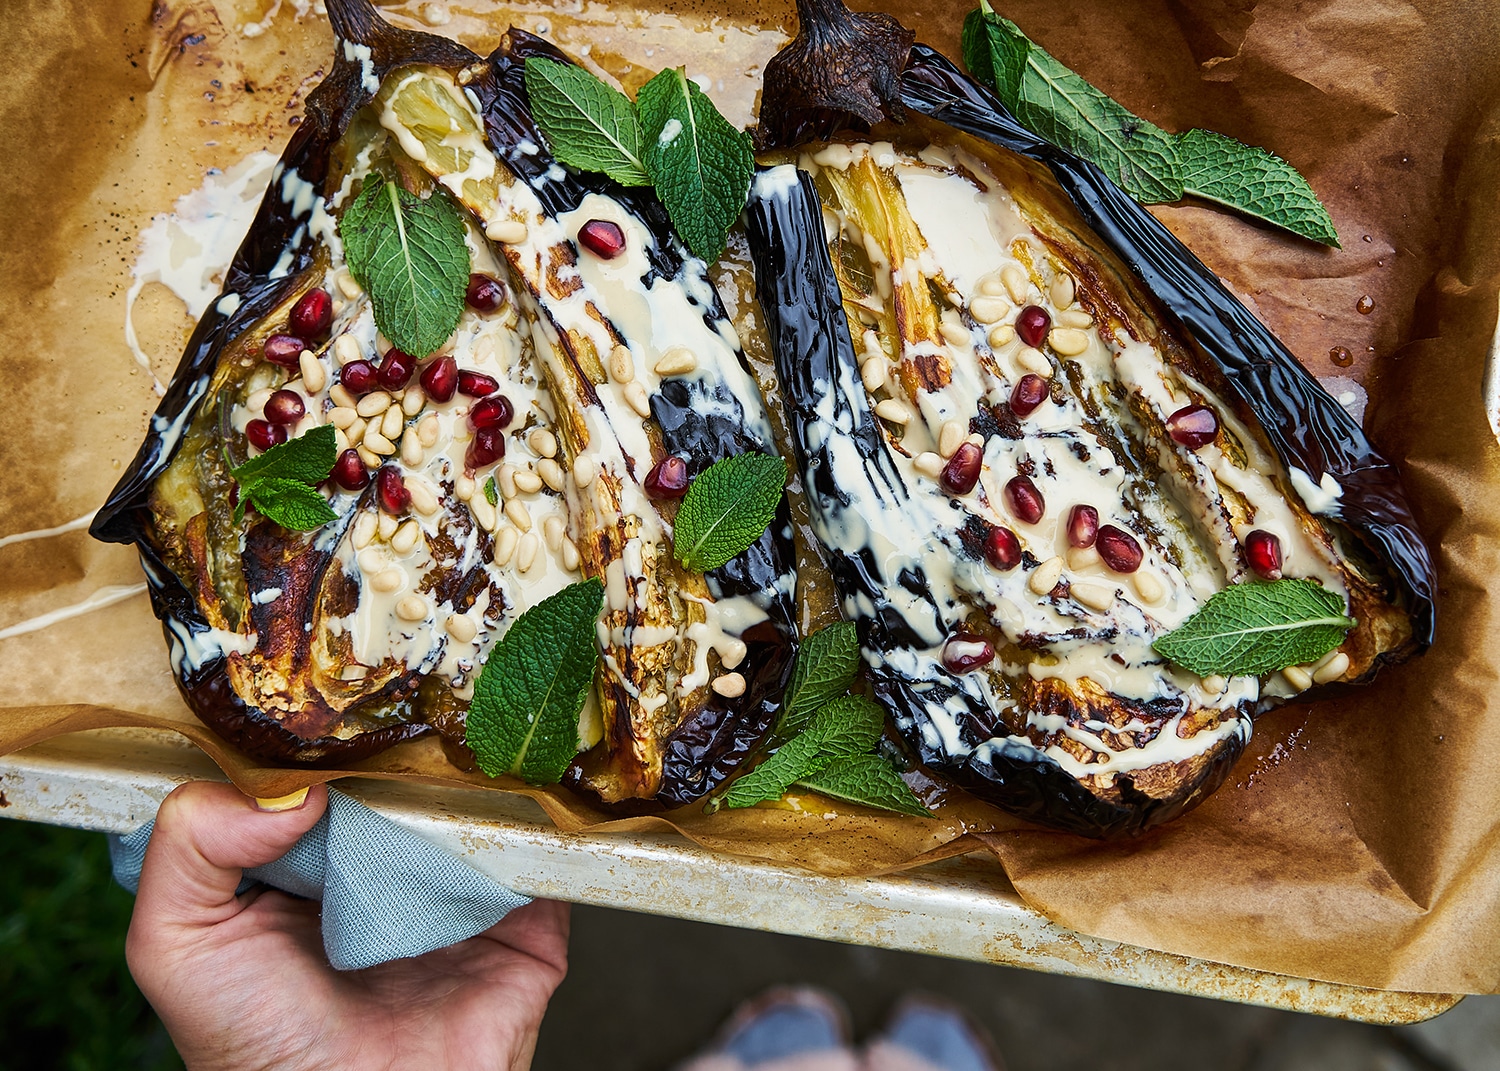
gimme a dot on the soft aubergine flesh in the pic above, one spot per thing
(893, 268)
(307, 647)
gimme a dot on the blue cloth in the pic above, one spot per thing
(386, 892)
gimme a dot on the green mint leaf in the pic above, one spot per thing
(797, 758)
(409, 252)
(869, 781)
(826, 665)
(849, 725)
(701, 166)
(308, 458)
(523, 718)
(1253, 181)
(1056, 104)
(727, 508)
(290, 503)
(588, 125)
(491, 492)
(1255, 628)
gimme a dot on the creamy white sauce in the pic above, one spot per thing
(105, 596)
(74, 525)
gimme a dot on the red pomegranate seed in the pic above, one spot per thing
(1263, 551)
(602, 238)
(358, 377)
(1119, 549)
(491, 413)
(965, 651)
(476, 384)
(487, 447)
(1030, 392)
(440, 378)
(1083, 526)
(485, 293)
(668, 478)
(349, 471)
(1002, 549)
(962, 471)
(1032, 324)
(391, 489)
(1194, 426)
(284, 350)
(1024, 500)
(285, 407)
(396, 369)
(311, 315)
(263, 435)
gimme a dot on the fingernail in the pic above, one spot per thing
(288, 802)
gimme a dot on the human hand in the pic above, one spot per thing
(242, 981)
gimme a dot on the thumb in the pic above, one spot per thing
(206, 835)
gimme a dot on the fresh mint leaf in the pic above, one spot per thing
(491, 492)
(588, 124)
(826, 665)
(1056, 104)
(1255, 628)
(523, 718)
(1253, 181)
(849, 725)
(869, 781)
(796, 758)
(726, 509)
(276, 482)
(409, 253)
(700, 164)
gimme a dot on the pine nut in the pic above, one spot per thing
(506, 231)
(1046, 576)
(733, 652)
(955, 334)
(346, 348)
(505, 546)
(1017, 283)
(988, 310)
(584, 470)
(635, 397)
(371, 459)
(483, 512)
(377, 443)
(356, 431)
(553, 530)
(386, 526)
(412, 608)
(406, 537)
(1215, 684)
(412, 455)
(543, 443)
(1147, 586)
(677, 361)
(1068, 341)
(422, 498)
(391, 423)
(1080, 558)
(570, 556)
(342, 418)
(992, 285)
(929, 464)
(1298, 678)
(621, 364)
(729, 685)
(1336, 668)
(1062, 291)
(951, 437)
(364, 531)
(464, 487)
(894, 411)
(428, 430)
(527, 482)
(873, 373)
(461, 627)
(1034, 360)
(340, 440)
(373, 404)
(340, 396)
(313, 373)
(871, 342)
(346, 284)
(1093, 594)
(413, 400)
(526, 551)
(1074, 318)
(388, 581)
(1001, 335)
(518, 514)
(551, 473)
(505, 477)
(371, 561)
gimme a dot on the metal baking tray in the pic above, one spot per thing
(112, 780)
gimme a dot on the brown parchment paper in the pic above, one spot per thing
(1359, 838)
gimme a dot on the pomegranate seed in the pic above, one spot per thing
(1083, 526)
(1119, 549)
(1032, 324)
(1263, 551)
(668, 478)
(476, 384)
(487, 447)
(962, 471)
(602, 238)
(485, 293)
(396, 369)
(391, 489)
(311, 315)
(358, 377)
(349, 471)
(965, 651)
(1194, 426)
(1030, 392)
(1002, 549)
(284, 350)
(285, 407)
(440, 378)
(263, 435)
(1024, 500)
(491, 413)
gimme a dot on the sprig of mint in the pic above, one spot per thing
(409, 253)
(726, 509)
(867, 780)
(523, 718)
(672, 137)
(826, 665)
(277, 482)
(1254, 628)
(1149, 163)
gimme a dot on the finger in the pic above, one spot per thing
(539, 930)
(206, 835)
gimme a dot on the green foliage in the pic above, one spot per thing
(726, 509)
(826, 665)
(1256, 628)
(588, 125)
(276, 482)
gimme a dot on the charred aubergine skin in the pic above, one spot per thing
(808, 321)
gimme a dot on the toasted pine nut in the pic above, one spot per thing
(389, 580)
(518, 514)
(391, 423)
(341, 417)
(1215, 684)
(1093, 594)
(371, 561)
(570, 555)
(677, 361)
(929, 464)
(406, 537)
(621, 364)
(527, 482)
(356, 431)
(873, 373)
(507, 231)
(464, 487)
(992, 285)
(1298, 678)
(1068, 341)
(377, 443)
(543, 442)
(346, 284)
(988, 310)
(635, 397)
(422, 498)
(505, 477)
(1001, 335)
(340, 440)
(386, 526)
(346, 348)
(1062, 291)
(340, 396)
(461, 627)
(955, 334)
(729, 685)
(733, 652)
(526, 551)
(1147, 586)
(1336, 668)
(373, 404)
(483, 512)
(551, 473)
(313, 373)
(1075, 318)
(412, 608)
(1046, 576)
(505, 546)
(364, 531)
(553, 530)
(1017, 283)
(428, 429)
(413, 400)
(1034, 360)
(584, 470)
(371, 459)
(894, 411)
(411, 451)
(1080, 558)
(951, 437)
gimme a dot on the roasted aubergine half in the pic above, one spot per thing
(1036, 435)
(523, 455)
